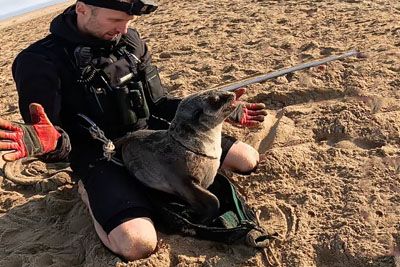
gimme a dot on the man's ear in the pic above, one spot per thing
(81, 8)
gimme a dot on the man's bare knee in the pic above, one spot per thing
(241, 158)
(134, 239)
(249, 163)
(252, 159)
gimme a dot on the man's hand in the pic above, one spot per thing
(26, 140)
(247, 114)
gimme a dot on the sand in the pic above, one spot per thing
(328, 180)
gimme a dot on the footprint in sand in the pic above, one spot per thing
(279, 217)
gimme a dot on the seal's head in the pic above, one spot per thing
(206, 109)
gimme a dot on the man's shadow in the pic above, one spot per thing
(49, 230)
(55, 229)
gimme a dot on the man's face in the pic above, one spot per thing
(103, 23)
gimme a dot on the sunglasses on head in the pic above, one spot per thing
(137, 7)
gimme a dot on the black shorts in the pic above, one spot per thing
(116, 198)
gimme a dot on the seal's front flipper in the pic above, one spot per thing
(205, 204)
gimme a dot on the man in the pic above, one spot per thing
(93, 65)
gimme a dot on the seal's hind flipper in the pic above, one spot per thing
(205, 203)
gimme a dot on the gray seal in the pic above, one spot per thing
(184, 159)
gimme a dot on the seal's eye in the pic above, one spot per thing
(196, 115)
(214, 102)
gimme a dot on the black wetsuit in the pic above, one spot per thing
(47, 72)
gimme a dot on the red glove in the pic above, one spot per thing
(247, 114)
(26, 140)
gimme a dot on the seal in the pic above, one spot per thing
(184, 159)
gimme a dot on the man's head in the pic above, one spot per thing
(102, 23)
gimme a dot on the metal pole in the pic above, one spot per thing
(261, 78)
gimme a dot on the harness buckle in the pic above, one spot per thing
(98, 134)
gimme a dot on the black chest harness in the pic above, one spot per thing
(110, 86)
(113, 85)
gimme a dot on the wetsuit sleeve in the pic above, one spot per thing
(37, 81)
(160, 103)
(163, 106)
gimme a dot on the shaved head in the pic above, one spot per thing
(102, 23)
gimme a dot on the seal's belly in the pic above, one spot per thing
(202, 169)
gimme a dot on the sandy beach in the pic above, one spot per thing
(329, 177)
